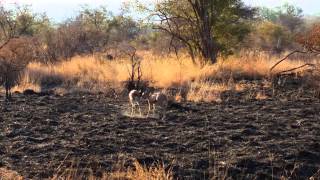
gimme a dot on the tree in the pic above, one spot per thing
(16, 49)
(98, 19)
(14, 57)
(277, 28)
(268, 14)
(311, 39)
(289, 16)
(87, 33)
(203, 26)
(95, 25)
(20, 21)
(269, 36)
(123, 28)
(91, 31)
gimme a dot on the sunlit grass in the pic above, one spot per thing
(204, 82)
(6, 174)
(137, 172)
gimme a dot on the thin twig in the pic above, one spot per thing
(62, 162)
(5, 43)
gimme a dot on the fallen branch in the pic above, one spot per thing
(290, 54)
(293, 69)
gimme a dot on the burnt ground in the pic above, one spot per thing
(243, 137)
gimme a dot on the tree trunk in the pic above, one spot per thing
(209, 49)
(191, 53)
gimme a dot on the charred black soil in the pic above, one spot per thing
(242, 137)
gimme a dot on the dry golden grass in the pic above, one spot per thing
(89, 72)
(204, 83)
(206, 91)
(6, 174)
(261, 96)
(138, 172)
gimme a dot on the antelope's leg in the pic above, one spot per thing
(132, 106)
(164, 110)
(149, 108)
(164, 113)
(139, 109)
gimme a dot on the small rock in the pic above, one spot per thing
(46, 93)
(29, 92)
(249, 131)
(202, 164)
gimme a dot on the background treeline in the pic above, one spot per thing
(99, 31)
(204, 29)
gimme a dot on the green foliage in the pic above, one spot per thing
(230, 35)
(92, 30)
(268, 14)
(97, 19)
(286, 15)
(269, 30)
(123, 29)
(271, 36)
(276, 28)
(20, 21)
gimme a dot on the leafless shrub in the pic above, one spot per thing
(135, 72)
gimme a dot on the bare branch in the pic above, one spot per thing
(5, 43)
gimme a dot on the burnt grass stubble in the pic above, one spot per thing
(241, 137)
